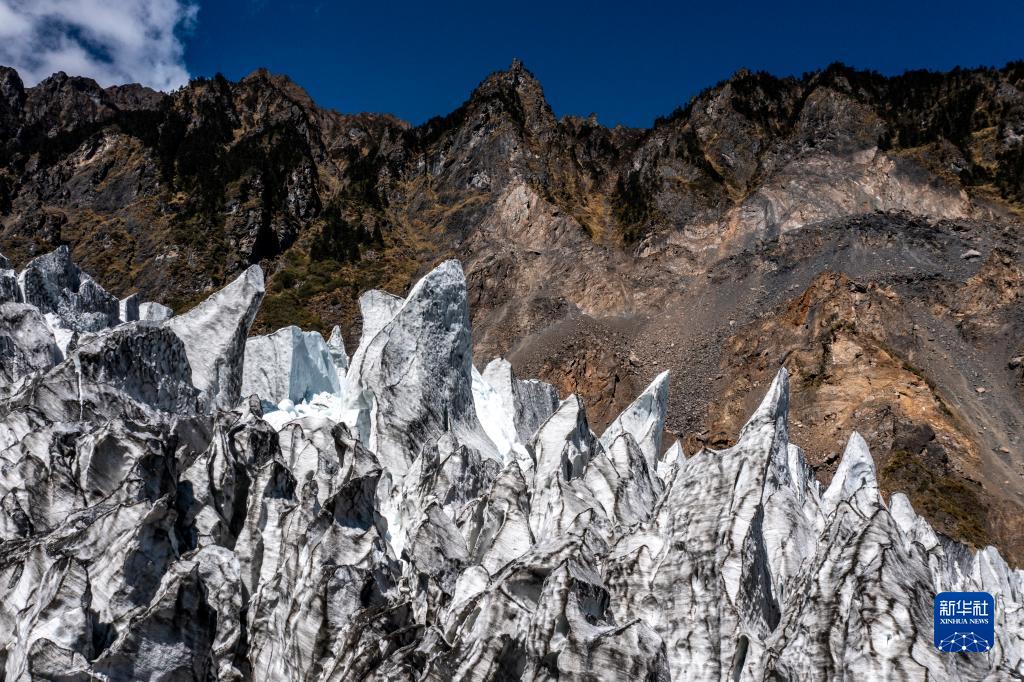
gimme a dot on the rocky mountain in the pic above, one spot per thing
(862, 231)
(181, 501)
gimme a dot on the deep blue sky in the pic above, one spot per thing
(627, 62)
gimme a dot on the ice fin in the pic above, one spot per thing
(854, 481)
(644, 419)
(214, 334)
(288, 364)
(154, 312)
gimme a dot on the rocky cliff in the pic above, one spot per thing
(420, 519)
(862, 230)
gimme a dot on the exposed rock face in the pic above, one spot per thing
(147, 532)
(863, 355)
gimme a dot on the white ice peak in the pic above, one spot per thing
(214, 334)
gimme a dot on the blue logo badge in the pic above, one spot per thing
(964, 622)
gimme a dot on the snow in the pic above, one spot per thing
(329, 406)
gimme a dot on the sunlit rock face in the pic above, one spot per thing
(402, 515)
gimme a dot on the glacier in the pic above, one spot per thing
(180, 500)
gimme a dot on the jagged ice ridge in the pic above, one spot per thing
(181, 501)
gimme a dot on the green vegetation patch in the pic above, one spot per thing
(946, 501)
(633, 206)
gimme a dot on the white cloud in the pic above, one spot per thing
(112, 41)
